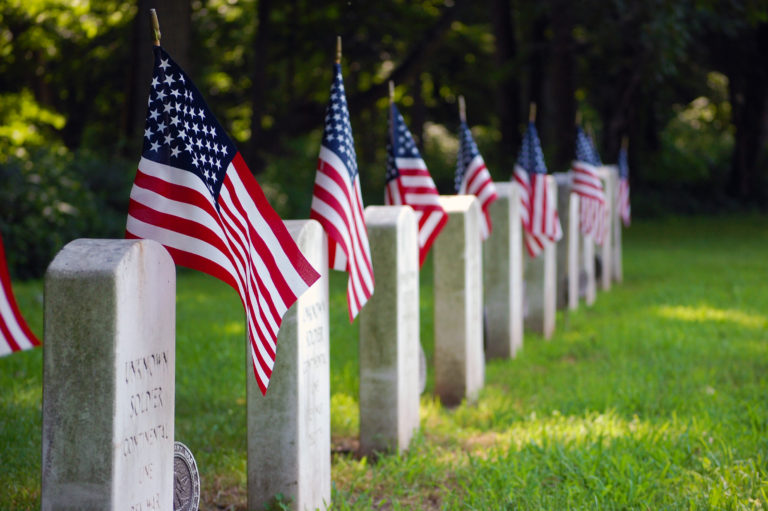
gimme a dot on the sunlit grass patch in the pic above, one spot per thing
(708, 313)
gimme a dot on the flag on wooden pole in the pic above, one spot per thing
(409, 183)
(194, 194)
(623, 206)
(336, 200)
(15, 334)
(587, 184)
(472, 176)
(538, 211)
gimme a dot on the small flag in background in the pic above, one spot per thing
(539, 216)
(589, 187)
(15, 334)
(623, 206)
(337, 203)
(194, 194)
(473, 178)
(409, 183)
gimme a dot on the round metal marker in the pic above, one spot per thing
(186, 479)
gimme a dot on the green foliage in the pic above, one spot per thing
(698, 141)
(53, 197)
(651, 399)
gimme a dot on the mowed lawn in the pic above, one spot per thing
(654, 398)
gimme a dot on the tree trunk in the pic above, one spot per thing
(175, 19)
(508, 89)
(563, 85)
(748, 86)
(255, 146)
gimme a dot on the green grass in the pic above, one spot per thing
(655, 398)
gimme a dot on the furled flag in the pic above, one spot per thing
(194, 194)
(15, 335)
(589, 187)
(473, 178)
(623, 205)
(539, 216)
(409, 183)
(337, 203)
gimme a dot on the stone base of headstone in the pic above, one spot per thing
(540, 275)
(503, 268)
(389, 348)
(459, 359)
(108, 377)
(289, 429)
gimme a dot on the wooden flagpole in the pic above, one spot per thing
(338, 49)
(462, 109)
(155, 26)
(625, 142)
(532, 112)
(392, 112)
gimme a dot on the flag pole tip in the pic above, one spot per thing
(532, 112)
(625, 142)
(155, 26)
(462, 109)
(391, 91)
(578, 117)
(338, 49)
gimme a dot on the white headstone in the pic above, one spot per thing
(574, 240)
(608, 177)
(563, 180)
(503, 275)
(458, 288)
(540, 275)
(588, 259)
(389, 345)
(289, 429)
(618, 274)
(108, 381)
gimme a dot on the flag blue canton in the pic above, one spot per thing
(400, 144)
(180, 130)
(585, 149)
(467, 152)
(623, 164)
(337, 135)
(531, 157)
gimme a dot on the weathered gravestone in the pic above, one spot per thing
(577, 275)
(563, 180)
(503, 275)
(459, 357)
(540, 275)
(389, 333)
(608, 177)
(289, 429)
(618, 274)
(108, 386)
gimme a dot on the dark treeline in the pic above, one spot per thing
(687, 81)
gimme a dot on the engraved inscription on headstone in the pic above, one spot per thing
(109, 377)
(289, 429)
(186, 479)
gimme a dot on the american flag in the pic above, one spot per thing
(623, 206)
(15, 335)
(587, 184)
(473, 178)
(409, 182)
(194, 194)
(539, 216)
(336, 200)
